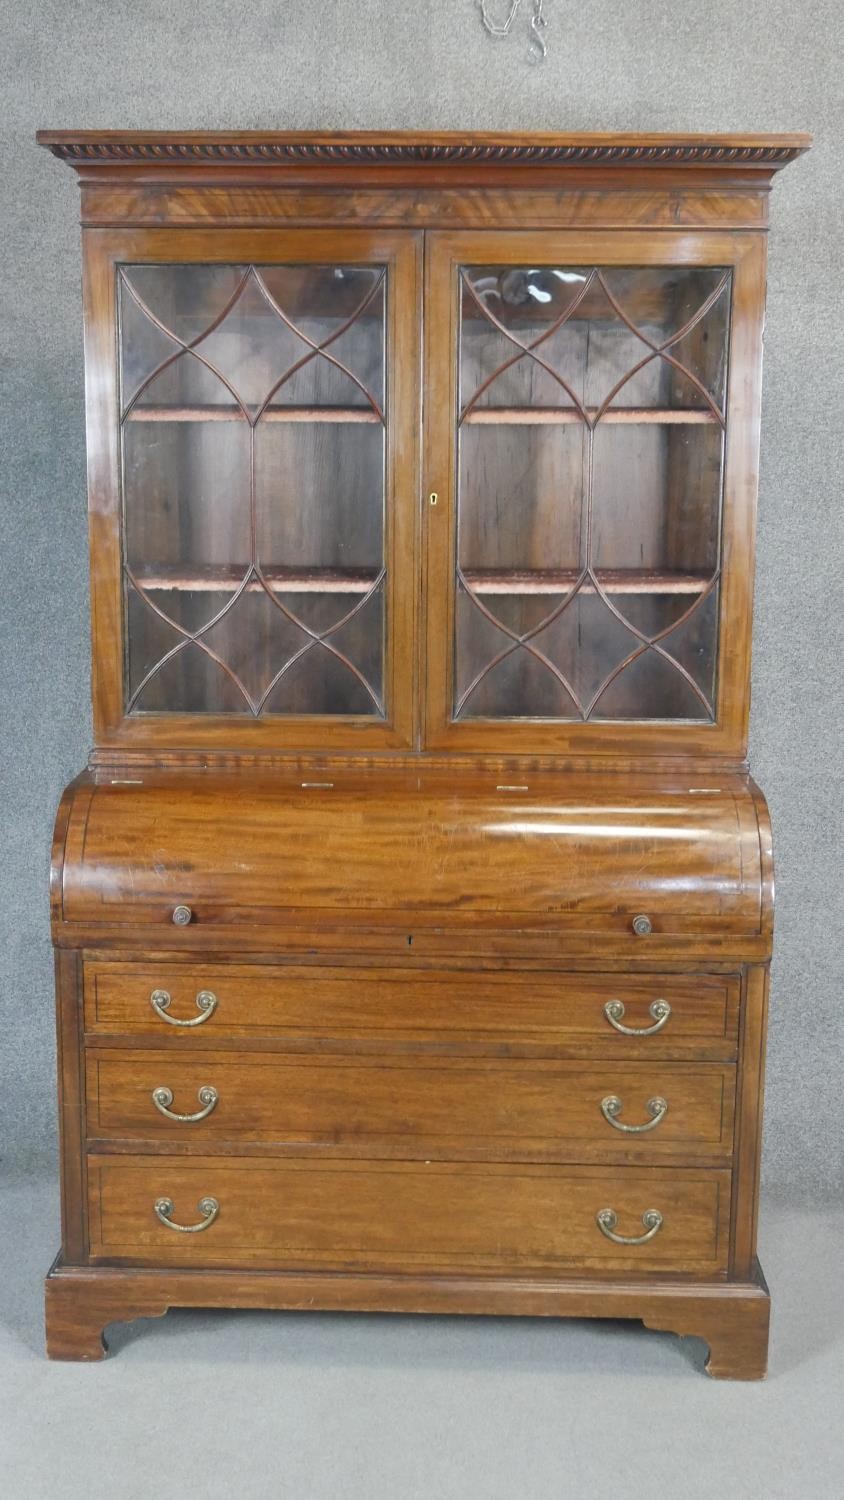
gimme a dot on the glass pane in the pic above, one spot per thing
(253, 449)
(591, 449)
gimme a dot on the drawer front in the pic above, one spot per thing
(562, 1013)
(516, 1109)
(402, 1216)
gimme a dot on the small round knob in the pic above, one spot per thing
(641, 926)
(183, 914)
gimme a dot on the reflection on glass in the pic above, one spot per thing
(591, 442)
(252, 426)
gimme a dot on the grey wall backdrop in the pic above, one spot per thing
(613, 64)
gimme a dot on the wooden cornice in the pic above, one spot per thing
(85, 149)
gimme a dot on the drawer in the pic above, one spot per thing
(556, 1013)
(500, 1110)
(403, 1216)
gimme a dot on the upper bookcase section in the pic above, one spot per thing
(488, 489)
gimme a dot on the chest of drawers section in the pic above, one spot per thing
(395, 1119)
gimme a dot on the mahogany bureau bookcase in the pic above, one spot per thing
(413, 914)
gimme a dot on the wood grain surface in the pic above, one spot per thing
(404, 1216)
(411, 917)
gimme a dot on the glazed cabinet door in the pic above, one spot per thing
(253, 408)
(592, 433)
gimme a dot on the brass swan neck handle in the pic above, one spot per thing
(612, 1106)
(206, 1003)
(608, 1218)
(162, 1098)
(208, 1207)
(659, 1009)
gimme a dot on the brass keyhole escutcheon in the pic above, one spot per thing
(433, 498)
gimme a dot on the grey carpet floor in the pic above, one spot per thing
(255, 1405)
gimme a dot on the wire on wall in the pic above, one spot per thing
(537, 26)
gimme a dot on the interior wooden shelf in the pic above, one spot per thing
(479, 416)
(500, 581)
(165, 579)
(541, 416)
(615, 581)
(270, 414)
